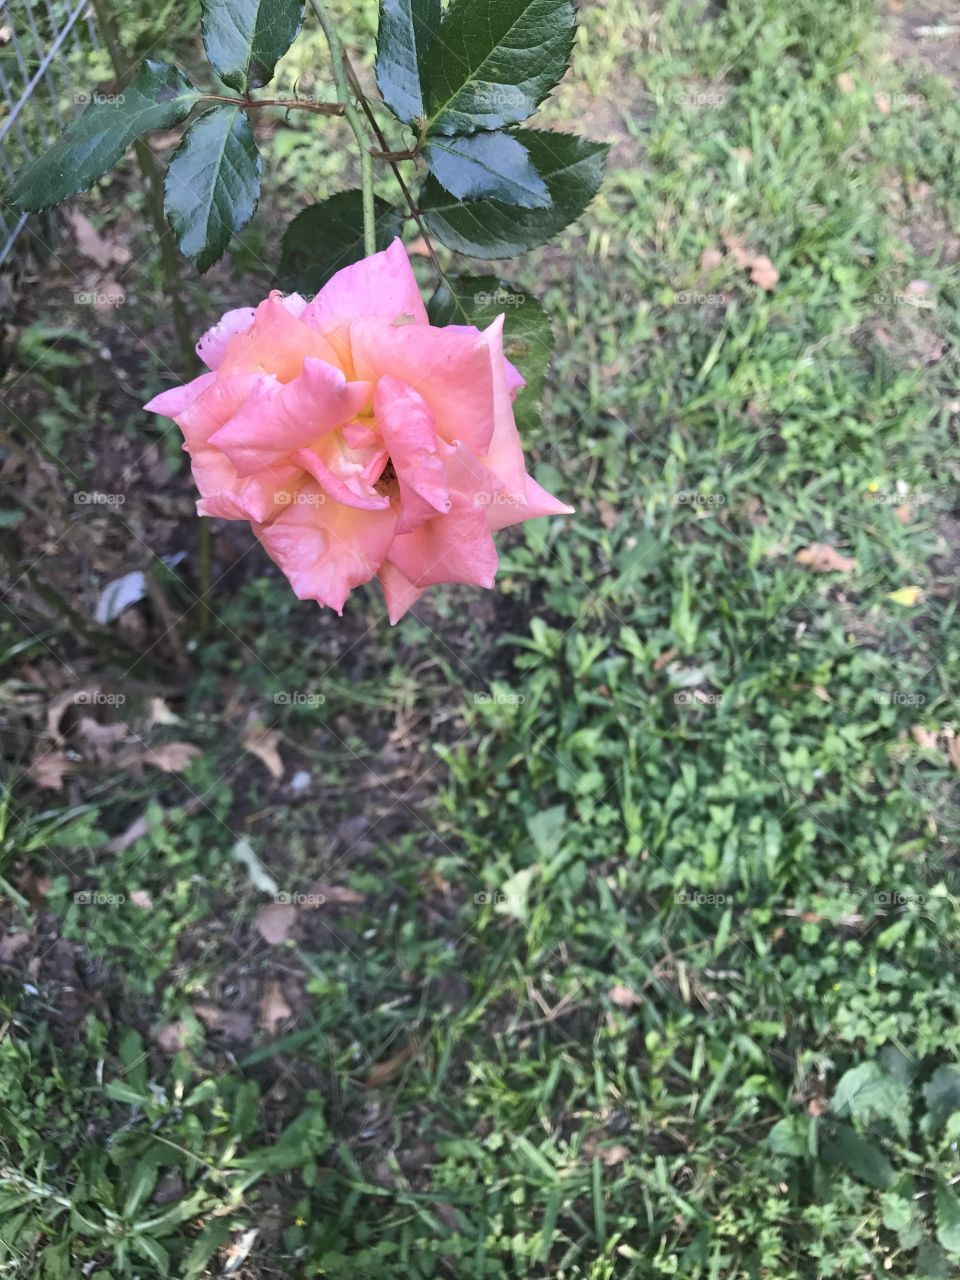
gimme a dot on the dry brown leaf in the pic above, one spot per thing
(232, 1024)
(273, 1007)
(615, 1154)
(274, 923)
(262, 743)
(624, 997)
(160, 713)
(173, 1037)
(953, 746)
(609, 516)
(385, 1071)
(737, 250)
(336, 895)
(923, 737)
(170, 757)
(822, 693)
(764, 273)
(668, 655)
(137, 829)
(12, 945)
(822, 558)
(49, 768)
(89, 240)
(59, 706)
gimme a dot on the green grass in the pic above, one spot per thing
(658, 903)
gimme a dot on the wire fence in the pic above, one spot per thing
(39, 39)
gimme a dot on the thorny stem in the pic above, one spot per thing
(288, 104)
(407, 195)
(338, 60)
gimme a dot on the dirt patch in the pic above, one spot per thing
(928, 33)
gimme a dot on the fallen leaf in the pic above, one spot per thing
(710, 259)
(160, 713)
(822, 558)
(764, 273)
(89, 240)
(273, 923)
(738, 250)
(667, 656)
(49, 768)
(173, 1037)
(923, 737)
(615, 1154)
(137, 829)
(120, 594)
(623, 997)
(170, 757)
(845, 82)
(262, 743)
(337, 895)
(12, 945)
(61, 704)
(906, 596)
(953, 747)
(273, 1007)
(232, 1024)
(822, 693)
(609, 516)
(385, 1071)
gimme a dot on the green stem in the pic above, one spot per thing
(338, 61)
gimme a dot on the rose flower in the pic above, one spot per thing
(358, 439)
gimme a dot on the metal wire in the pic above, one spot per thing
(33, 44)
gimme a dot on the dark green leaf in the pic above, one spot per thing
(212, 184)
(862, 1158)
(245, 39)
(158, 97)
(527, 335)
(942, 1096)
(407, 29)
(494, 61)
(788, 1137)
(487, 166)
(325, 237)
(572, 168)
(947, 1211)
(867, 1092)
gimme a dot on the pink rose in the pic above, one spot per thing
(358, 439)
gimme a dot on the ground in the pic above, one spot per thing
(622, 899)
